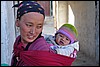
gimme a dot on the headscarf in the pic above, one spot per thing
(28, 6)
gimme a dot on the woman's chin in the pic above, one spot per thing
(30, 40)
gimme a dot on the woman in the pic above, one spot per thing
(30, 48)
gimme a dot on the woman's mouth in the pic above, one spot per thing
(30, 37)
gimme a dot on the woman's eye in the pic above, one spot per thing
(29, 25)
(39, 27)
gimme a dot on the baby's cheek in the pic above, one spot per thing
(67, 42)
(57, 40)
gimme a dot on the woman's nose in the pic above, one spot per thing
(33, 31)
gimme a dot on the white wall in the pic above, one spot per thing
(62, 13)
(7, 31)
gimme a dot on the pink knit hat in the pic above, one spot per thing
(70, 31)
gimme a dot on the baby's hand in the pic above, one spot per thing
(53, 47)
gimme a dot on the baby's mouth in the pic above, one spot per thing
(61, 43)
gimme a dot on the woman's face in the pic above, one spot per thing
(31, 25)
(62, 40)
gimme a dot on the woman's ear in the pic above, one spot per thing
(17, 22)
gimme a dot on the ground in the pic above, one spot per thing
(83, 60)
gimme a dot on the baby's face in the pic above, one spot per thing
(62, 40)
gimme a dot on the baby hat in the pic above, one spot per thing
(68, 30)
(28, 6)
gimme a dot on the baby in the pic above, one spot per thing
(65, 41)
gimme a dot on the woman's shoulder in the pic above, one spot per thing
(40, 40)
(18, 39)
(39, 44)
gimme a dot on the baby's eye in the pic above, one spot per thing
(67, 38)
(60, 35)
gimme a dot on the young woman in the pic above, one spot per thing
(30, 48)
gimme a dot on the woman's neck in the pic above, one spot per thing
(24, 43)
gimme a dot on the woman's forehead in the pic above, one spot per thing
(33, 15)
(32, 18)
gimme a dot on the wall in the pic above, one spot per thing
(86, 23)
(97, 31)
(7, 31)
(62, 13)
(84, 12)
(55, 13)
